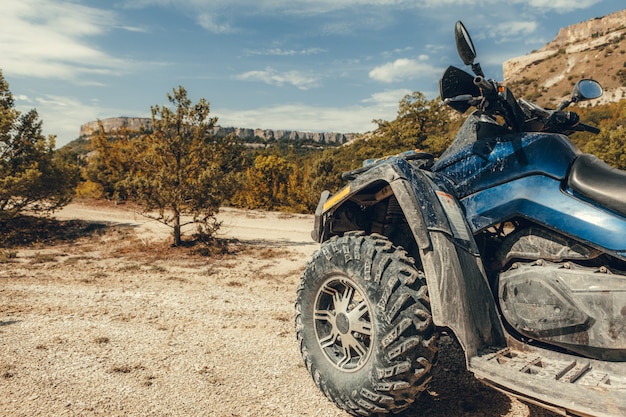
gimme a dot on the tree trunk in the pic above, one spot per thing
(177, 239)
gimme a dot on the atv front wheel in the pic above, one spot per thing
(364, 324)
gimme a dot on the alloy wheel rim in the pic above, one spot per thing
(343, 323)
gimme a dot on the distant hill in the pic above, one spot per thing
(115, 123)
(592, 49)
(249, 135)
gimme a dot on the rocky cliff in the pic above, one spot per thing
(281, 135)
(116, 123)
(250, 135)
(592, 49)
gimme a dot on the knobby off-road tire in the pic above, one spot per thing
(364, 324)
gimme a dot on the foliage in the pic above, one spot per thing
(417, 122)
(264, 184)
(109, 163)
(420, 124)
(89, 190)
(180, 168)
(274, 182)
(32, 177)
(280, 180)
(609, 144)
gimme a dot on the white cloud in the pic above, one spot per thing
(47, 39)
(561, 5)
(61, 116)
(294, 7)
(355, 119)
(350, 119)
(388, 98)
(285, 52)
(364, 13)
(513, 30)
(403, 69)
(272, 77)
(556, 5)
(219, 10)
(208, 22)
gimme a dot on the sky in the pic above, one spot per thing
(309, 65)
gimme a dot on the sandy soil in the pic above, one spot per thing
(119, 324)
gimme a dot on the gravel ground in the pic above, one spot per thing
(120, 324)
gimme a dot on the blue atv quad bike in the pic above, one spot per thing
(513, 241)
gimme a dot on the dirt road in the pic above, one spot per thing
(119, 324)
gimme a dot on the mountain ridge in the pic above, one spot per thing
(247, 134)
(594, 48)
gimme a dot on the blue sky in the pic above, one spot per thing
(314, 65)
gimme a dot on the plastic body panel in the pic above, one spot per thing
(486, 163)
(524, 175)
(541, 199)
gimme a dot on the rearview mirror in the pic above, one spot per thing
(586, 89)
(465, 48)
(464, 44)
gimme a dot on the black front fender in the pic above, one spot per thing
(460, 295)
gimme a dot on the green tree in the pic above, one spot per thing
(111, 160)
(419, 124)
(265, 184)
(299, 183)
(181, 168)
(325, 172)
(31, 177)
(609, 146)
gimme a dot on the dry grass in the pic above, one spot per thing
(42, 258)
(119, 241)
(126, 369)
(7, 256)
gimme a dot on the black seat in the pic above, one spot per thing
(599, 182)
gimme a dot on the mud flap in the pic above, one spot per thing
(460, 296)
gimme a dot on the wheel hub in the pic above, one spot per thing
(343, 324)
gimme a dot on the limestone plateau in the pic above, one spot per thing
(135, 123)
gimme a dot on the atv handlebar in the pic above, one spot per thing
(587, 128)
(471, 101)
(494, 99)
(567, 121)
(483, 84)
(556, 120)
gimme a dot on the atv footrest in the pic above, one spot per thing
(561, 382)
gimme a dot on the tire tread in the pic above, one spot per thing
(408, 346)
